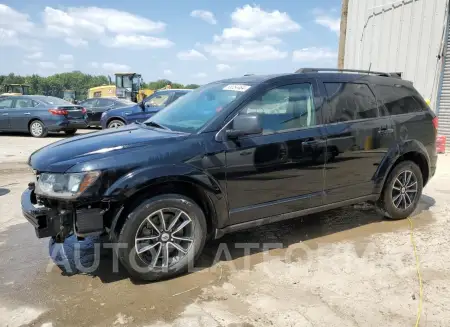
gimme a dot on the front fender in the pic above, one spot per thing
(391, 158)
(137, 180)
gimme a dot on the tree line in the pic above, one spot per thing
(77, 81)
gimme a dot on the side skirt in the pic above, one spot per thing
(290, 215)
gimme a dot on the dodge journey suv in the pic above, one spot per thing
(232, 155)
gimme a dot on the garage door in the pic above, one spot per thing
(444, 96)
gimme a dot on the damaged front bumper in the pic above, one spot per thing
(59, 222)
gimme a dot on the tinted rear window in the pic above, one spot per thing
(350, 101)
(398, 99)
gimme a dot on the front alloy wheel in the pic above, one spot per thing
(161, 237)
(164, 237)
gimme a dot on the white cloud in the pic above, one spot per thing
(76, 42)
(252, 22)
(191, 55)
(113, 67)
(46, 65)
(249, 50)
(68, 66)
(205, 15)
(79, 25)
(8, 37)
(200, 75)
(314, 54)
(95, 64)
(65, 57)
(327, 19)
(222, 67)
(35, 55)
(168, 72)
(14, 20)
(252, 36)
(138, 42)
(16, 29)
(94, 21)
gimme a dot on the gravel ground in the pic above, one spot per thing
(346, 267)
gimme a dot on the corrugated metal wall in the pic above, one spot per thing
(444, 93)
(398, 36)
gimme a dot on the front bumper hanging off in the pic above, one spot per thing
(49, 222)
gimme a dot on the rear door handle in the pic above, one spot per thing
(385, 131)
(27, 113)
(4, 114)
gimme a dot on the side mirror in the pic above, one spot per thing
(247, 124)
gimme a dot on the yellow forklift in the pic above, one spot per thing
(128, 86)
(16, 89)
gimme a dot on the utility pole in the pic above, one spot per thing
(342, 34)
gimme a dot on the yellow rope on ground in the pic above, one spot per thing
(419, 309)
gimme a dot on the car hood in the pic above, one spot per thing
(126, 110)
(60, 156)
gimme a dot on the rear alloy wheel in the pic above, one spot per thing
(70, 131)
(37, 129)
(402, 191)
(164, 234)
(116, 123)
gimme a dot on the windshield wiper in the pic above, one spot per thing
(153, 124)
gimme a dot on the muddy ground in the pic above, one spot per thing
(346, 267)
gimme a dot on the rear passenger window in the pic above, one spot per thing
(398, 99)
(350, 101)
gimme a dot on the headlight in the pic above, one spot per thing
(65, 185)
(103, 114)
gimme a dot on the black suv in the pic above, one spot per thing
(236, 154)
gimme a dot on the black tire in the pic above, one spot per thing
(116, 123)
(386, 202)
(70, 131)
(135, 264)
(37, 129)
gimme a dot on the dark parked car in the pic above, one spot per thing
(140, 112)
(236, 154)
(95, 107)
(40, 114)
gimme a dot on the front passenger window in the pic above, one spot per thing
(285, 108)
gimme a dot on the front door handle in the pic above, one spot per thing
(4, 114)
(27, 113)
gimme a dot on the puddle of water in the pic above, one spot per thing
(83, 300)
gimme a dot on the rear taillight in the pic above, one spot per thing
(83, 110)
(58, 112)
(435, 122)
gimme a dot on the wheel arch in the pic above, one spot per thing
(413, 151)
(133, 188)
(115, 118)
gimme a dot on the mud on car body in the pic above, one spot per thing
(232, 155)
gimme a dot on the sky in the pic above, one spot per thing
(185, 41)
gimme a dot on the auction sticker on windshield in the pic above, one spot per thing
(236, 87)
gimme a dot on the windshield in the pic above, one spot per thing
(16, 89)
(124, 81)
(54, 100)
(192, 111)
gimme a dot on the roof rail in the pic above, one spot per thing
(316, 70)
(249, 74)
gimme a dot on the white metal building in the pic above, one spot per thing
(407, 36)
